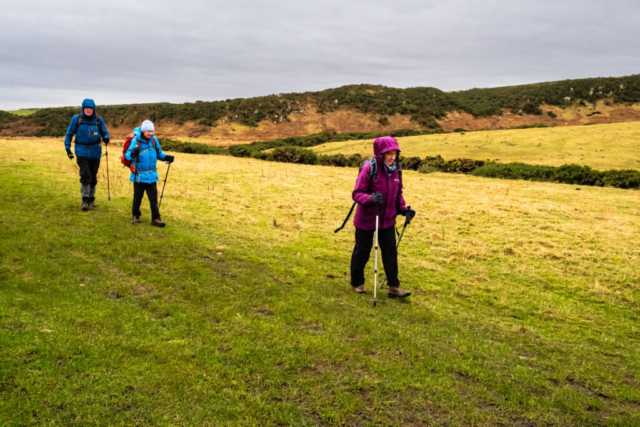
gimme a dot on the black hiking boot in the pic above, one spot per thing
(93, 205)
(359, 289)
(158, 222)
(135, 220)
(397, 292)
(85, 206)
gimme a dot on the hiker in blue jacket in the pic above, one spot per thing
(90, 131)
(144, 151)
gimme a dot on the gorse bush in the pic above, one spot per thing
(453, 166)
(340, 160)
(293, 155)
(190, 147)
(623, 178)
(6, 118)
(566, 174)
(410, 163)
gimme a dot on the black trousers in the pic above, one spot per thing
(362, 251)
(88, 170)
(139, 189)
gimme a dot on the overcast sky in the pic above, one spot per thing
(56, 53)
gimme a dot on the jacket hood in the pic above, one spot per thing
(383, 144)
(88, 103)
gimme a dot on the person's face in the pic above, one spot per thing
(88, 111)
(390, 157)
(147, 134)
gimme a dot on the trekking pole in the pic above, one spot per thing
(375, 268)
(164, 185)
(106, 148)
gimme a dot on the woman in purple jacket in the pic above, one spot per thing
(384, 192)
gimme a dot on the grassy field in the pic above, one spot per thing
(610, 146)
(525, 308)
(23, 112)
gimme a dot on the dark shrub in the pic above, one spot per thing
(333, 160)
(530, 108)
(452, 166)
(410, 163)
(260, 155)
(190, 147)
(355, 160)
(625, 178)
(239, 151)
(576, 174)
(515, 171)
(384, 121)
(293, 155)
(552, 114)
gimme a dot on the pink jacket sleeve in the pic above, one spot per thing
(360, 193)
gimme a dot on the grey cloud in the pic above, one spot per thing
(56, 53)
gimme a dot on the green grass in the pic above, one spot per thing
(525, 308)
(609, 146)
(23, 112)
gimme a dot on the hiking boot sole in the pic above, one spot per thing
(399, 296)
(158, 225)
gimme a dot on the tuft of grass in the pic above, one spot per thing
(524, 312)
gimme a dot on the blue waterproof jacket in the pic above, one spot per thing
(88, 134)
(146, 170)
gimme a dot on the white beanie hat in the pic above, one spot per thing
(146, 125)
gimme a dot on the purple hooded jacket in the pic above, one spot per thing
(389, 185)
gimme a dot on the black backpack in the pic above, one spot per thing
(373, 172)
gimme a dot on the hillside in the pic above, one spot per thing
(360, 108)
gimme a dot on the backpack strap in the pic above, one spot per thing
(346, 219)
(373, 172)
(79, 122)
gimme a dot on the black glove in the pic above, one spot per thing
(70, 154)
(136, 152)
(169, 158)
(106, 140)
(376, 199)
(410, 213)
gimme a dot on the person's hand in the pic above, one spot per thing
(410, 214)
(376, 199)
(169, 158)
(70, 154)
(135, 152)
(106, 140)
